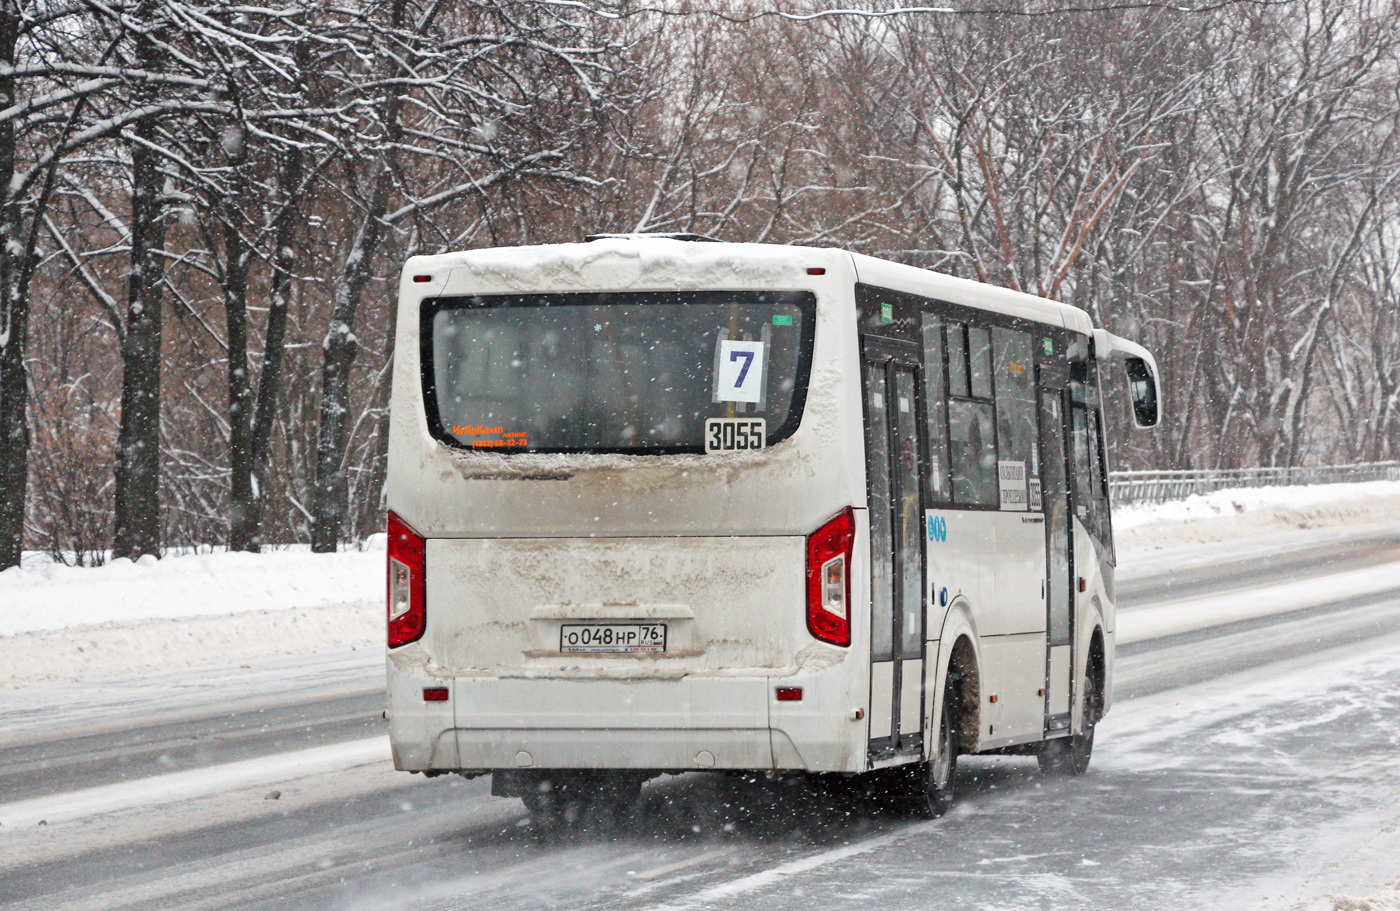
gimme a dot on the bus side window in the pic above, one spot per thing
(1090, 491)
(1016, 414)
(1103, 513)
(974, 454)
(972, 437)
(979, 355)
(936, 409)
(957, 359)
(1079, 443)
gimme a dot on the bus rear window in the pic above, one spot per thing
(633, 372)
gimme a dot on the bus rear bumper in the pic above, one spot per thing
(693, 723)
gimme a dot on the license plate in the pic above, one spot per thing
(612, 637)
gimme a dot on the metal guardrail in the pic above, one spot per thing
(1133, 487)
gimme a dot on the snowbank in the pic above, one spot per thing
(65, 624)
(52, 597)
(150, 646)
(1256, 513)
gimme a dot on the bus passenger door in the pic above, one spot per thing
(1059, 662)
(894, 462)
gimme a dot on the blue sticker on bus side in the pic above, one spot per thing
(937, 529)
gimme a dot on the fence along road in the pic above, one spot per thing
(1136, 487)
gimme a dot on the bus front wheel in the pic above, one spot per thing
(1069, 756)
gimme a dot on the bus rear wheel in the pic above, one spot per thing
(932, 783)
(583, 801)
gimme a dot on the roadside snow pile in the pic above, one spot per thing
(1255, 513)
(1382, 901)
(65, 624)
(52, 596)
(138, 647)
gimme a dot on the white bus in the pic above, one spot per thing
(664, 505)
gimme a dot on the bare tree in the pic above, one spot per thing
(501, 94)
(1220, 183)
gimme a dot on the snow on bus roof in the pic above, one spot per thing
(633, 262)
(653, 262)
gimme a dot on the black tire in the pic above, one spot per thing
(932, 784)
(1068, 757)
(597, 802)
(554, 809)
(613, 804)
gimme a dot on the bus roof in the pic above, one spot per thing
(936, 285)
(640, 261)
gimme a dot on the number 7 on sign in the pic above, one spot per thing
(740, 371)
(744, 370)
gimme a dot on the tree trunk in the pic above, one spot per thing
(246, 524)
(338, 353)
(339, 348)
(242, 533)
(14, 319)
(137, 495)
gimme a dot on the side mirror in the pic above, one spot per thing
(1142, 389)
(1141, 366)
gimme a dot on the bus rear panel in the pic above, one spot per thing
(602, 592)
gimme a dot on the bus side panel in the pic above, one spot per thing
(1017, 649)
(959, 543)
(1110, 645)
(1020, 573)
(1017, 664)
(1094, 608)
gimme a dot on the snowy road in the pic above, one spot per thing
(1250, 761)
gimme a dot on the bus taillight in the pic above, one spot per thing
(406, 588)
(829, 579)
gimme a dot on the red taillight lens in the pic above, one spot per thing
(406, 588)
(829, 579)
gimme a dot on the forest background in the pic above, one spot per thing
(206, 205)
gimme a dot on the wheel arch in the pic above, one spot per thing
(960, 655)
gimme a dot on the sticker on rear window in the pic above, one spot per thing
(482, 436)
(740, 375)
